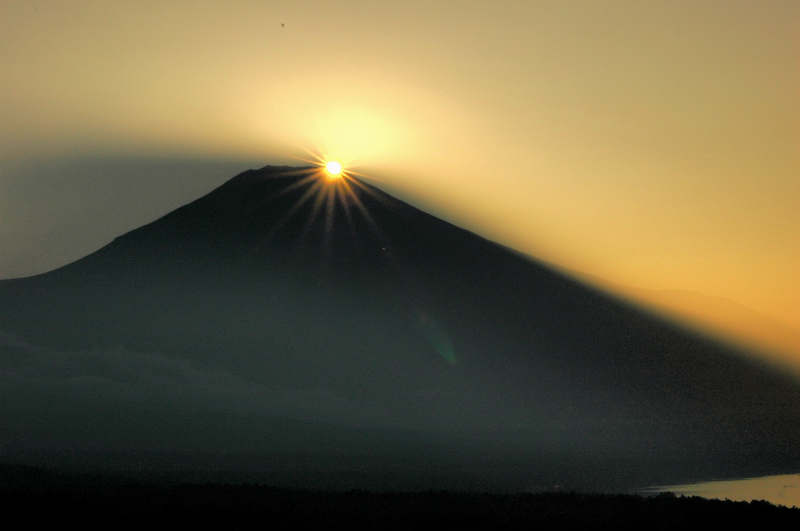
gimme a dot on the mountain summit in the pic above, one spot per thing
(325, 329)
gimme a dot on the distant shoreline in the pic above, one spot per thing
(783, 489)
(44, 496)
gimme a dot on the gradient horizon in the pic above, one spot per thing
(656, 147)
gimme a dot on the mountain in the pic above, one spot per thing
(322, 332)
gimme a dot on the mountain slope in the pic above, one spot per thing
(281, 295)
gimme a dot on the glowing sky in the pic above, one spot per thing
(653, 145)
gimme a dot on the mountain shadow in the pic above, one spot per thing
(324, 333)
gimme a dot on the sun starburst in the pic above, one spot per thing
(328, 186)
(334, 169)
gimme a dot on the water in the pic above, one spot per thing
(778, 490)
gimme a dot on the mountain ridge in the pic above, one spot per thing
(285, 293)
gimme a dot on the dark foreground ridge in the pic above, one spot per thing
(289, 330)
(39, 497)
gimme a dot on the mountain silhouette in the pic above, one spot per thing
(299, 327)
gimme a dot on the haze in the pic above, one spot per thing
(652, 146)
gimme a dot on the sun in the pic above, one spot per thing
(334, 168)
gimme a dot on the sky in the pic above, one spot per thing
(654, 148)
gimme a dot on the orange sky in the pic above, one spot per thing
(653, 145)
